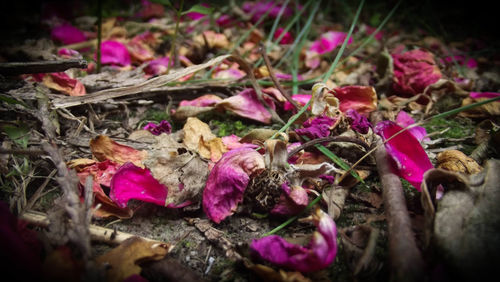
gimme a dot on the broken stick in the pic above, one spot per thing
(16, 68)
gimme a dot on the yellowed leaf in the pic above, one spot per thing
(454, 160)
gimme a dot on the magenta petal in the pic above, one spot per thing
(158, 66)
(403, 119)
(207, 100)
(359, 122)
(301, 99)
(67, 34)
(228, 180)
(410, 158)
(316, 127)
(318, 255)
(247, 105)
(133, 182)
(157, 129)
(114, 53)
(329, 41)
(477, 95)
(292, 201)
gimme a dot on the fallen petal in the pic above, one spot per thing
(329, 41)
(319, 253)
(228, 180)
(157, 129)
(133, 182)
(114, 53)
(247, 105)
(67, 34)
(411, 161)
(358, 122)
(403, 119)
(60, 81)
(363, 99)
(104, 148)
(317, 127)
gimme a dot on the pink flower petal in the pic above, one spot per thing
(223, 20)
(411, 161)
(292, 201)
(228, 180)
(328, 42)
(247, 105)
(158, 66)
(202, 101)
(258, 9)
(316, 127)
(61, 81)
(114, 53)
(69, 53)
(403, 119)
(195, 15)
(358, 122)
(67, 34)
(157, 129)
(286, 39)
(414, 71)
(319, 253)
(363, 99)
(231, 73)
(133, 182)
(301, 99)
(489, 95)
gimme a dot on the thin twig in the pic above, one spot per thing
(328, 139)
(275, 81)
(16, 68)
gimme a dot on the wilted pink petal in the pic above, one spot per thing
(411, 161)
(114, 53)
(358, 122)
(139, 47)
(150, 10)
(301, 99)
(327, 178)
(233, 142)
(489, 95)
(158, 66)
(285, 76)
(133, 182)
(223, 20)
(247, 105)
(202, 101)
(414, 71)
(67, 34)
(258, 9)
(328, 42)
(312, 59)
(228, 180)
(363, 99)
(69, 53)
(157, 129)
(292, 201)
(378, 35)
(317, 255)
(195, 15)
(286, 39)
(403, 119)
(62, 82)
(461, 60)
(231, 73)
(316, 127)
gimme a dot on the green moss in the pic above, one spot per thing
(458, 127)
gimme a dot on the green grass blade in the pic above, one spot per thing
(464, 108)
(342, 48)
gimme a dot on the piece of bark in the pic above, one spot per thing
(16, 68)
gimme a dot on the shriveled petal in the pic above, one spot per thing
(69, 53)
(287, 37)
(114, 53)
(228, 180)
(403, 119)
(301, 99)
(411, 161)
(328, 42)
(104, 148)
(318, 255)
(158, 66)
(231, 73)
(133, 182)
(157, 129)
(67, 34)
(202, 101)
(259, 8)
(233, 142)
(489, 95)
(414, 71)
(317, 127)
(363, 99)
(358, 122)
(247, 105)
(292, 201)
(150, 10)
(62, 82)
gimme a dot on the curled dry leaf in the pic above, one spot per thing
(199, 138)
(454, 160)
(62, 82)
(124, 260)
(104, 148)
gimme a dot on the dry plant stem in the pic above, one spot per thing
(97, 233)
(405, 258)
(29, 152)
(275, 81)
(16, 68)
(328, 139)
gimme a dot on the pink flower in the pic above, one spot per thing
(403, 119)
(157, 129)
(67, 34)
(414, 71)
(286, 39)
(410, 159)
(328, 42)
(133, 182)
(247, 105)
(228, 180)
(316, 127)
(114, 53)
(317, 255)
